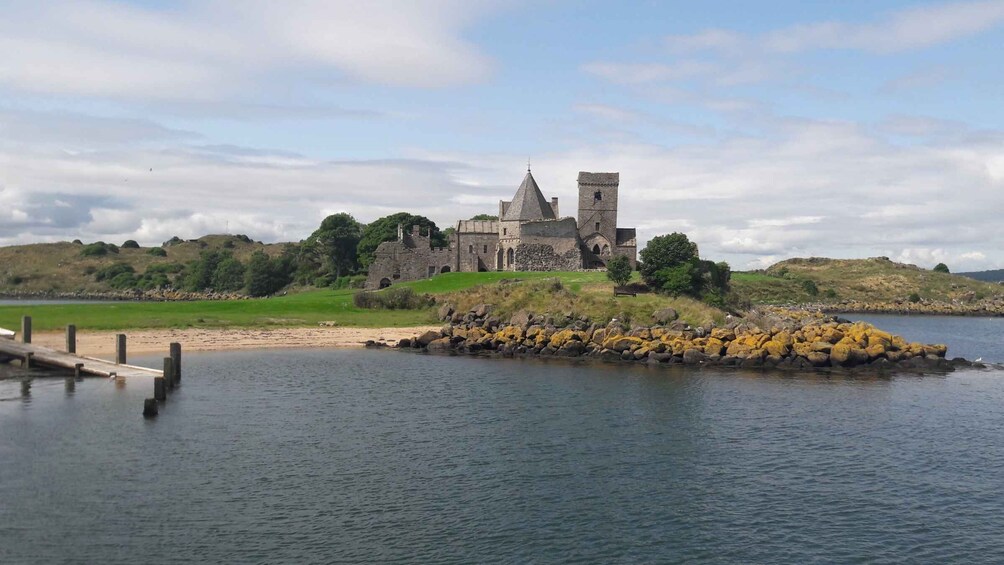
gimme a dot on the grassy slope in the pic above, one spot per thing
(587, 293)
(59, 267)
(869, 280)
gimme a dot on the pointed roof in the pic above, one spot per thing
(528, 203)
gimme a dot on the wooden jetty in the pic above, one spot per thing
(32, 355)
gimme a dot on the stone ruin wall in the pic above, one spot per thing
(549, 246)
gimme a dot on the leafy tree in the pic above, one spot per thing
(228, 275)
(265, 276)
(486, 217)
(385, 229)
(130, 244)
(619, 270)
(200, 273)
(941, 268)
(683, 278)
(336, 241)
(663, 252)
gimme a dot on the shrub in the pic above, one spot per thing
(123, 281)
(394, 298)
(228, 275)
(810, 287)
(130, 244)
(914, 297)
(167, 268)
(77, 242)
(111, 271)
(16, 280)
(157, 252)
(666, 251)
(98, 249)
(941, 268)
(681, 279)
(830, 293)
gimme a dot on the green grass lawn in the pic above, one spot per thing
(302, 309)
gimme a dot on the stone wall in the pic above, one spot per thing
(476, 250)
(410, 258)
(543, 257)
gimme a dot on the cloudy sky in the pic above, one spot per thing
(764, 130)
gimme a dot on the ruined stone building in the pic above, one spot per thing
(530, 235)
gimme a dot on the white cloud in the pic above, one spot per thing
(213, 50)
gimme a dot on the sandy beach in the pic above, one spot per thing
(145, 342)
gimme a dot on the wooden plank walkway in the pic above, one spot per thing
(47, 357)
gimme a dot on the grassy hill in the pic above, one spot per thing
(64, 267)
(867, 280)
(584, 293)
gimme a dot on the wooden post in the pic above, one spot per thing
(169, 372)
(71, 338)
(149, 407)
(25, 329)
(176, 359)
(77, 370)
(120, 349)
(26, 362)
(159, 389)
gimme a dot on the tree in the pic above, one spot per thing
(941, 268)
(810, 288)
(666, 251)
(228, 275)
(486, 217)
(259, 276)
(130, 244)
(337, 240)
(385, 229)
(200, 272)
(619, 270)
(680, 279)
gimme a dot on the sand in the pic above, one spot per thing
(145, 342)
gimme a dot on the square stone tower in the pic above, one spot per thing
(598, 212)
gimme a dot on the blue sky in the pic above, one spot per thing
(764, 130)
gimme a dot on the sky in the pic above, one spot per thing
(763, 130)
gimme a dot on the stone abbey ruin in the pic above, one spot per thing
(529, 235)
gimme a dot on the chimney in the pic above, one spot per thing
(554, 207)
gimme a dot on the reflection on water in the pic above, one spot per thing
(369, 456)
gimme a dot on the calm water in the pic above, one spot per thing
(54, 301)
(370, 456)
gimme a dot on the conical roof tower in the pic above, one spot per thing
(528, 203)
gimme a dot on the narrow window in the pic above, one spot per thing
(597, 195)
(470, 249)
(597, 226)
(486, 249)
(505, 231)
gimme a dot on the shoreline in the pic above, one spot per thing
(154, 341)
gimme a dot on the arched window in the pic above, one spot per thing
(384, 282)
(596, 249)
(597, 195)
(445, 269)
(606, 249)
(499, 262)
(510, 257)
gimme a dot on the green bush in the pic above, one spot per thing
(16, 280)
(123, 281)
(914, 297)
(394, 298)
(941, 268)
(810, 287)
(619, 270)
(830, 294)
(130, 244)
(98, 249)
(157, 252)
(354, 281)
(112, 271)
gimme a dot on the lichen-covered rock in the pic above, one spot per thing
(664, 316)
(428, 337)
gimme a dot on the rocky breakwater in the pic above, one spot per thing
(788, 340)
(154, 295)
(993, 306)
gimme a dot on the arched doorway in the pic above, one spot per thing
(596, 249)
(445, 269)
(510, 257)
(384, 282)
(499, 264)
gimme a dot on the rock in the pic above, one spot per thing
(659, 357)
(572, 349)
(404, 343)
(521, 318)
(428, 337)
(623, 343)
(626, 355)
(481, 310)
(694, 357)
(664, 316)
(441, 344)
(818, 359)
(446, 311)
